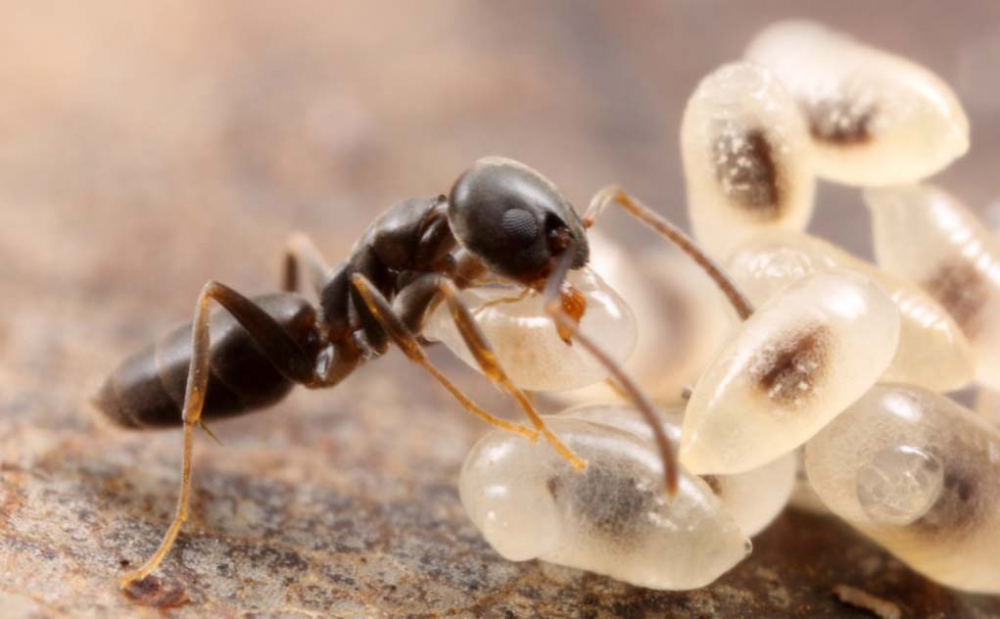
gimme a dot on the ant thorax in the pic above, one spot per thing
(525, 339)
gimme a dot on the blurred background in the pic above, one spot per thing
(148, 147)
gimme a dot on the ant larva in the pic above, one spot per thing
(502, 220)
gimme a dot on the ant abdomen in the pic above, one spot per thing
(147, 389)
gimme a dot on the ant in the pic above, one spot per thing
(501, 219)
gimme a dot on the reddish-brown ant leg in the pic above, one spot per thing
(401, 335)
(480, 348)
(282, 350)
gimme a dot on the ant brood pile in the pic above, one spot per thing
(842, 359)
(842, 364)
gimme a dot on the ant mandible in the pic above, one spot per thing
(501, 219)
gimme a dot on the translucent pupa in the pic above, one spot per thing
(682, 316)
(924, 234)
(917, 473)
(526, 341)
(803, 356)
(747, 158)
(612, 518)
(875, 118)
(933, 352)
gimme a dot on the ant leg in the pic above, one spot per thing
(403, 337)
(288, 358)
(479, 345)
(555, 305)
(301, 255)
(635, 208)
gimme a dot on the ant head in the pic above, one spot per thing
(515, 220)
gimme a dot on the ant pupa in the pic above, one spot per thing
(501, 221)
(682, 316)
(613, 519)
(926, 235)
(803, 356)
(917, 473)
(875, 118)
(933, 352)
(747, 159)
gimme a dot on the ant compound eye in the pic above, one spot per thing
(802, 358)
(933, 352)
(527, 344)
(925, 235)
(747, 158)
(613, 518)
(520, 227)
(916, 472)
(875, 118)
(753, 499)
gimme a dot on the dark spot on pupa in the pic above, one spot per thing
(839, 122)
(956, 508)
(961, 290)
(609, 501)
(789, 370)
(713, 483)
(746, 170)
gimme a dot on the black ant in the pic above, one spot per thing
(501, 220)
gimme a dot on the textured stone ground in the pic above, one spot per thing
(145, 150)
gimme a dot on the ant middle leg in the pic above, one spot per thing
(286, 355)
(649, 217)
(402, 336)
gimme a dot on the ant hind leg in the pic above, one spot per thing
(283, 351)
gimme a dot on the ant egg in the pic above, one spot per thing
(680, 312)
(612, 518)
(746, 158)
(526, 341)
(875, 118)
(927, 236)
(806, 354)
(917, 473)
(932, 353)
(753, 499)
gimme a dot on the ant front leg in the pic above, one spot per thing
(646, 215)
(402, 336)
(289, 359)
(480, 347)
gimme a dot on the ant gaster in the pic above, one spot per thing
(502, 220)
